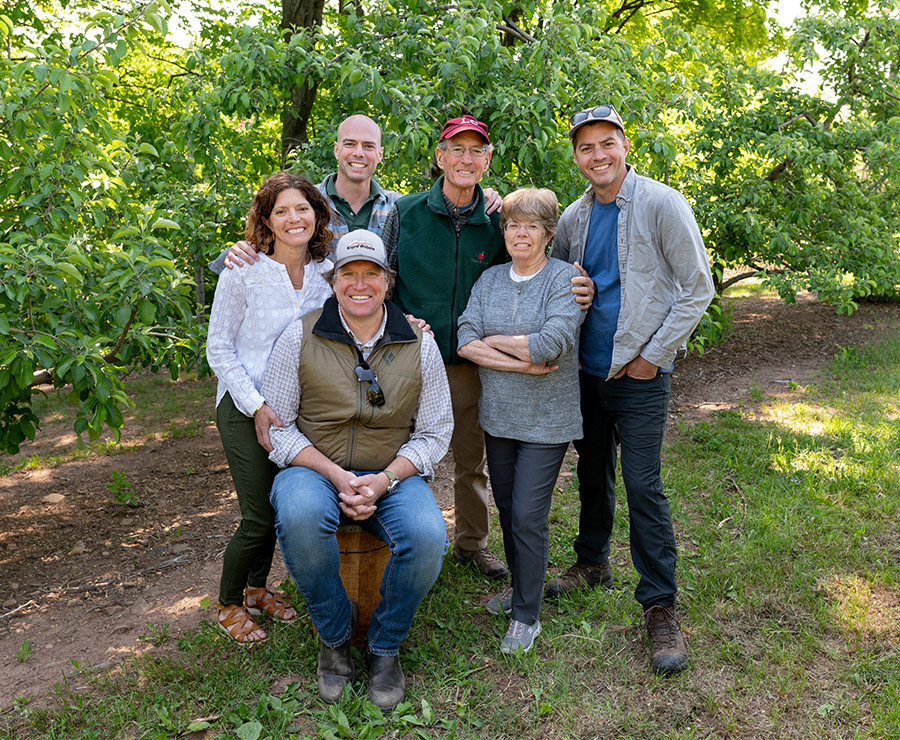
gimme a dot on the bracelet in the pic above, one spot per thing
(258, 408)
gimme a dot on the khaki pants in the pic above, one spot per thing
(467, 445)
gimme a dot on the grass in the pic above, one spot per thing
(786, 519)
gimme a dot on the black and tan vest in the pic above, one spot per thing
(334, 412)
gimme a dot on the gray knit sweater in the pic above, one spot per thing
(530, 408)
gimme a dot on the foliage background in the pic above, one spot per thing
(130, 159)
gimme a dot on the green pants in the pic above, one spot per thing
(248, 557)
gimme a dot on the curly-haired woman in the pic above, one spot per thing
(289, 222)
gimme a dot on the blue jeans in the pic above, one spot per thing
(629, 414)
(408, 520)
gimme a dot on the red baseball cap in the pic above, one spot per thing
(464, 123)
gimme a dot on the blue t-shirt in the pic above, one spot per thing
(601, 260)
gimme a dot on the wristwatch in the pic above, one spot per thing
(394, 481)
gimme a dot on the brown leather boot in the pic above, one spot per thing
(335, 669)
(581, 576)
(668, 653)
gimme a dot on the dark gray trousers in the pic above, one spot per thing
(523, 475)
(630, 414)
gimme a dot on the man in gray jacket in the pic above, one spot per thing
(640, 244)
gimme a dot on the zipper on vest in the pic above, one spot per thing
(360, 398)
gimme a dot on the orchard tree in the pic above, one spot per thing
(131, 161)
(88, 286)
(803, 189)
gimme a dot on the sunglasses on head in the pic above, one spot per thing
(598, 113)
(374, 394)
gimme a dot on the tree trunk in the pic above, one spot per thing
(298, 14)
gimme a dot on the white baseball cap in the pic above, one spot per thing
(360, 244)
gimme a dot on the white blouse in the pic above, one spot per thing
(253, 305)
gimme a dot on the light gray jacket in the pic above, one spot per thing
(664, 269)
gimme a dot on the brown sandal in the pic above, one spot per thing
(238, 624)
(270, 602)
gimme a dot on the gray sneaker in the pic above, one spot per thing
(519, 636)
(501, 603)
(580, 576)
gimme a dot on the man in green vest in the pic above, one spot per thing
(439, 242)
(366, 411)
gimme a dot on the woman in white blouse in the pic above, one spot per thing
(289, 223)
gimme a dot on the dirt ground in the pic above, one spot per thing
(84, 578)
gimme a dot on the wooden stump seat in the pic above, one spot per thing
(363, 560)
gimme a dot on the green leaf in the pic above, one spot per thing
(165, 223)
(157, 22)
(147, 311)
(160, 262)
(121, 316)
(146, 148)
(45, 340)
(70, 270)
(250, 730)
(114, 418)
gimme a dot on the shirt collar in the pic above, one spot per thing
(366, 347)
(331, 191)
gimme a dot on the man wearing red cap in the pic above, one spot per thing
(440, 242)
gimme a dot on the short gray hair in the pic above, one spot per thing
(531, 204)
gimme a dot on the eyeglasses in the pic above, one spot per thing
(477, 152)
(598, 113)
(374, 394)
(512, 227)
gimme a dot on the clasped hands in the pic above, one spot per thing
(359, 494)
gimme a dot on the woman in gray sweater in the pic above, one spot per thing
(521, 327)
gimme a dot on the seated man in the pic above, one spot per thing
(370, 399)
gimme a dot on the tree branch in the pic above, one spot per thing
(778, 170)
(111, 355)
(29, 332)
(808, 116)
(41, 377)
(745, 275)
(509, 26)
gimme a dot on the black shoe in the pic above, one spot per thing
(387, 685)
(668, 653)
(336, 668)
(579, 576)
(488, 564)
